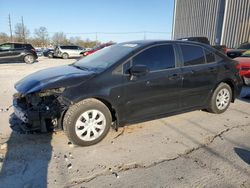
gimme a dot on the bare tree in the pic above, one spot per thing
(4, 38)
(21, 32)
(60, 38)
(41, 36)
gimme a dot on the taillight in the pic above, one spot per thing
(33, 49)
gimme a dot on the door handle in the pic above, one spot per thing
(212, 69)
(174, 77)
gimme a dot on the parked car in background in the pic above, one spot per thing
(126, 83)
(244, 65)
(233, 53)
(96, 48)
(67, 51)
(39, 51)
(17, 52)
(204, 40)
(49, 52)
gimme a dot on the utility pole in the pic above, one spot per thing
(96, 38)
(144, 35)
(11, 36)
(24, 39)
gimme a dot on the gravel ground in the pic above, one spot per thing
(195, 149)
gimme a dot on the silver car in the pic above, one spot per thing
(67, 51)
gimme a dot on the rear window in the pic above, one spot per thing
(192, 55)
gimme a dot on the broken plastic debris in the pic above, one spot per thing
(66, 158)
(69, 166)
(116, 175)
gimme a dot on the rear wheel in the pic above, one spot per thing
(87, 122)
(221, 99)
(29, 59)
(65, 56)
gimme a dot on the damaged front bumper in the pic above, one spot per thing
(40, 112)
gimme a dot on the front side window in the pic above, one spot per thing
(156, 58)
(192, 55)
(6, 46)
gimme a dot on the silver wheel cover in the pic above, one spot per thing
(90, 125)
(223, 99)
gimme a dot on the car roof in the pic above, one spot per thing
(152, 42)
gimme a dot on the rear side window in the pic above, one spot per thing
(18, 46)
(28, 46)
(192, 55)
(64, 47)
(74, 47)
(156, 58)
(210, 57)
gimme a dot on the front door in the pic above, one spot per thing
(156, 92)
(6, 52)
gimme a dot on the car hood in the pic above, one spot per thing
(63, 76)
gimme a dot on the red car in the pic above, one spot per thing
(97, 48)
(244, 65)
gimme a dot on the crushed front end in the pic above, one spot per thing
(40, 112)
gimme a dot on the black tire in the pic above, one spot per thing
(213, 107)
(65, 56)
(75, 111)
(29, 59)
(50, 55)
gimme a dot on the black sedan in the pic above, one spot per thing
(125, 83)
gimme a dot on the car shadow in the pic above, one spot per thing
(26, 159)
(243, 154)
(245, 94)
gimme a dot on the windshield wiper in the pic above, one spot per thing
(79, 67)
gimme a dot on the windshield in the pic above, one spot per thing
(105, 57)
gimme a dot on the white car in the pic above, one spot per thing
(67, 51)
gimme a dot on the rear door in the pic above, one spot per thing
(199, 70)
(157, 92)
(18, 50)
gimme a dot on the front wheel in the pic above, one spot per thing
(29, 59)
(221, 98)
(87, 122)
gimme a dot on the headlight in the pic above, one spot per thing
(49, 92)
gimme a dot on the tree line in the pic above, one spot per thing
(41, 38)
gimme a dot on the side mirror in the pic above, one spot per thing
(138, 70)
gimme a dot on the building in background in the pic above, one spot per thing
(223, 22)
